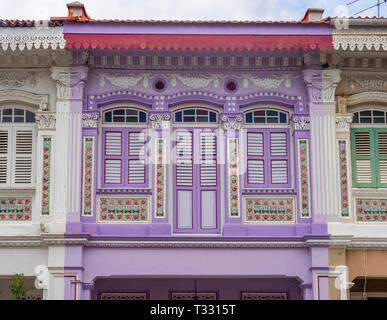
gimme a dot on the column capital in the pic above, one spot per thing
(90, 119)
(159, 119)
(231, 121)
(69, 81)
(45, 120)
(343, 122)
(301, 122)
(321, 85)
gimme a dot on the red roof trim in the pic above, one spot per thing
(198, 42)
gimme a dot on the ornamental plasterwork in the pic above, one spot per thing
(359, 42)
(343, 122)
(32, 38)
(269, 83)
(123, 80)
(45, 120)
(160, 120)
(369, 84)
(231, 122)
(301, 123)
(90, 120)
(16, 79)
(40, 100)
(367, 97)
(69, 81)
(196, 82)
(321, 85)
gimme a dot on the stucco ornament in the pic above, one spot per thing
(17, 79)
(269, 83)
(369, 84)
(321, 85)
(160, 120)
(69, 81)
(343, 122)
(231, 121)
(301, 122)
(42, 277)
(40, 100)
(45, 120)
(195, 82)
(123, 80)
(90, 120)
(359, 42)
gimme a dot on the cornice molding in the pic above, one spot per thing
(39, 100)
(32, 38)
(366, 97)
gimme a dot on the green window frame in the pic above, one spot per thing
(369, 161)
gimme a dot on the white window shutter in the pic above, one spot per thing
(5, 157)
(207, 144)
(184, 172)
(136, 171)
(23, 155)
(278, 144)
(256, 171)
(363, 165)
(208, 172)
(136, 143)
(113, 143)
(278, 148)
(183, 143)
(113, 171)
(255, 144)
(279, 171)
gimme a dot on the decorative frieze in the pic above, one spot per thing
(344, 193)
(371, 210)
(160, 178)
(46, 176)
(17, 79)
(123, 209)
(15, 208)
(269, 83)
(343, 122)
(88, 176)
(160, 120)
(90, 120)
(359, 42)
(301, 123)
(193, 296)
(267, 209)
(233, 177)
(304, 177)
(45, 120)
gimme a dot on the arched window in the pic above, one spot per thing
(369, 149)
(125, 115)
(17, 147)
(268, 148)
(196, 115)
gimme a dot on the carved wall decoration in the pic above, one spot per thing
(40, 100)
(193, 296)
(45, 120)
(266, 209)
(160, 120)
(231, 121)
(304, 177)
(15, 209)
(301, 122)
(17, 79)
(69, 81)
(196, 82)
(46, 176)
(88, 176)
(359, 42)
(123, 80)
(269, 83)
(343, 122)
(233, 177)
(124, 296)
(124, 209)
(263, 296)
(371, 210)
(366, 83)
(343, 163)
(90, 120)
(160, 178)
(366, 97)
(321, 85)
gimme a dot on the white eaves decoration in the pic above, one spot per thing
(32, 38)
(359, 42)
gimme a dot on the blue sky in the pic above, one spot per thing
(184, 9)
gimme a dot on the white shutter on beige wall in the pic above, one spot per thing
(4, 157)
(23, 156)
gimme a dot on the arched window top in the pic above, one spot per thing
(196, 115)
(16, 115)
(266, 116)
(125, 115)
(370, 117)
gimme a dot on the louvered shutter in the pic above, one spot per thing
(382, 156)
(278, 153)
(255, 144)
(255, 155)
(184, 168)
(256, 171)
(23, 156)
(136, 165)
(5, 156)
(208, 159)
(362, 159)
(113, 160)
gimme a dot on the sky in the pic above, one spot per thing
(186, 9)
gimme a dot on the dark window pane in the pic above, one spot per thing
(129, 119)
(378, 120)
(213, 117)
(7, 119)
(201, 112)
(259, 113)
(378, 114)
(131, 112)
(249, 117)
(119, 119)
(7, 112)
(259, 120)
(202, 119)
(18, 119)
(19, 112)
(365, 113)
(178, 116)
(356, 118)
(190, 112)
(30, 116)
(189, 119)
(283, 117)
(108, 116)
(272, 120)
(120, 112)
(272, 113)
(365, 120)
(142, 116)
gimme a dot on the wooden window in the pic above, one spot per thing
(369, 157)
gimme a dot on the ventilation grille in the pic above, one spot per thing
(113, 143)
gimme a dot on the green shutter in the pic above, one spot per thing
(363, 158)
(381, 157)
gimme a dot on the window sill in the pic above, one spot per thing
(369, 191)
(279, 191)
(124, 191)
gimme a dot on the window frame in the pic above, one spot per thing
(195, 107)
